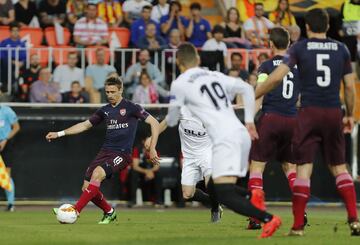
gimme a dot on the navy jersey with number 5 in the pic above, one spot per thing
(121, 124)
(322, 63)
(281, 100)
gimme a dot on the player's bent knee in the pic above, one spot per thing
(98, 174)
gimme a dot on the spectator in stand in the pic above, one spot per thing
(236, 64)
(151, 40)
(173, 20)
(132, 10)
(75, 9)
(91, 30)
(159, 10)
(145, 92)
(216, 43)
(295, 33)
(138, 27)
(262, 57)
(44, 90)
(233, 36)
(7, 13)
(65, 74)
(257, 28)
(110, 11)
(282, 15)
(51, 12)
(174, 39)
(75, 95)
(198, 29)
(95, 75)
(17, 58)
(25, 12)
(133, 73)
(28, 77)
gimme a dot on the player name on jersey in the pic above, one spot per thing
(322, 46)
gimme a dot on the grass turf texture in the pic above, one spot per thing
(168, 226)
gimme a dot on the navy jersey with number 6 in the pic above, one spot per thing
(121, 124)
(281, 100)
(322, 63)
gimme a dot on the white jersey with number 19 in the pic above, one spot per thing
(206, 95)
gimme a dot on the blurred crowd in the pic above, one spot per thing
(149, 26)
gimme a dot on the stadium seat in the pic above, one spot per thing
(50, 36)
(42, 52)
(60, 54)
(91, 57)
(123, 34)
(4, 32)
(245, 56)
(34, 35)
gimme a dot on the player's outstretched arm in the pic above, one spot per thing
(75, 129)
(349, 95)
(162, 128)
(154, 124)
(273, 80)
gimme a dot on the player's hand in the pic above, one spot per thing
(149, 175)
(252, 131)
(147, 143)
(3, 144)
(51, 136)
(348, 124)
(154, 158)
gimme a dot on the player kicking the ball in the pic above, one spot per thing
(196, 150)
(277, 121)
(320, 125)
(121, 117)
(206, 95)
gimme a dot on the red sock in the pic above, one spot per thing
(346, 189)
(100, 201)
(255, 181)
(301, 194)
(291, 176)
(89, 193)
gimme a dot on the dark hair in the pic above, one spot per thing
(72, 53)
(116, 81)
(218, 29)
(263, 54)
(287, 8)
(146, 7)
(236, 54)
(318, 20)
(75, 82)
(175, 3)
(14, 24)
(280, 37)
(186, 54)
(228, 14)
(259, 4)
(144, 73)
(195, 6)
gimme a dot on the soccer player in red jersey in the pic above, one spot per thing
(322, 64)
(121, 117)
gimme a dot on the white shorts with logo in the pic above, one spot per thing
(194, 170)
(230, 156)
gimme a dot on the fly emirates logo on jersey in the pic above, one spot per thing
(113, 124)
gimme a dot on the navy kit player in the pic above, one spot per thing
(322, 64)
(206, 95)
(121, 117)
(277, 121)
(196, 151)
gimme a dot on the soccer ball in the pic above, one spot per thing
(66, 214)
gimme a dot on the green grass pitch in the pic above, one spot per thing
(167, 226)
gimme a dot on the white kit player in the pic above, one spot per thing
(206, 95)
(196, 150)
